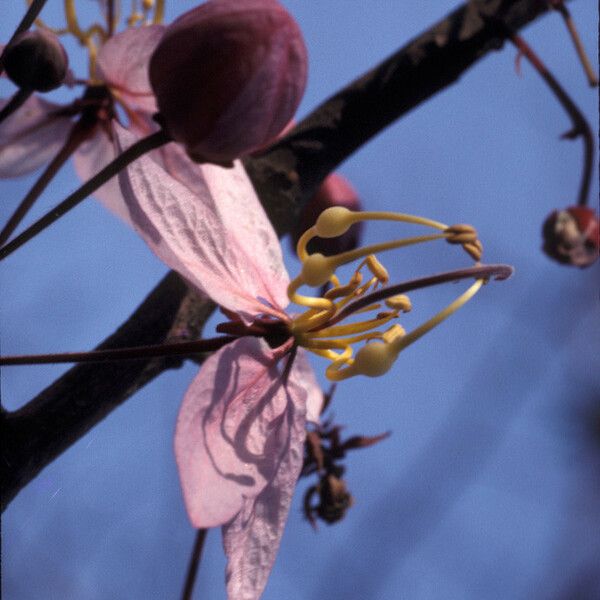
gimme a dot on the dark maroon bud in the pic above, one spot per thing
(334, 191)
(571, 236)
(228, 76)
(36, 60)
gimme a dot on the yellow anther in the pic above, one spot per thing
(466, 235)
(147, 4)
(334, 221)
(134, 18)
(393, 333)
(400, 302)
(317, 269)
(377, 269)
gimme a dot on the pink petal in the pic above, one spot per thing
(123, 64)
(89, 159)
(303, 375)
(233, 431)
(252, 539)
(31, 136)
(94, 154)
(207, 223)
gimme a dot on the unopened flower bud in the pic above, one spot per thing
(334, 191)
(36, 60)
(571, 236)
(228, 76)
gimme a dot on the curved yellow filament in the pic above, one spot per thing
(159, 12)
(351, 255)
(351, 328)
(400, 343)
(391, 216)
(308, 235)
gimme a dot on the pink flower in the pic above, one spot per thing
(37, 131)
(241, 428)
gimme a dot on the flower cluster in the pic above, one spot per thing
(242, 427)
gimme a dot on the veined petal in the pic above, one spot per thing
(123, 64)
(207, 223)
(99, 150)
(89, 159)
(252, 539)
(31, 136)
(234, 431)
(302, 375)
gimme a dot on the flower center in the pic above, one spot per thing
(317, 330)
(143, 12)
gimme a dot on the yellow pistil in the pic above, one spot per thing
(312, 330)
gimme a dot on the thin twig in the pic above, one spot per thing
(117, 354)
(79, 132)
(141, 147)
(193, 565)
(111, 17)
(580, 128)
(592, 78)
(17, 100)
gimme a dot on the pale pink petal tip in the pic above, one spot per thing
(123, 64)
(31, 136)
(232, 430)
(207, 223)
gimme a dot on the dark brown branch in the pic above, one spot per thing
(288, 173)
(36, 434)
(285, 176)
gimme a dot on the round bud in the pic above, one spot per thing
(571, 236)
(336, 233)
(228, 76)
(36, 60)
(374, 359)
(316, 270)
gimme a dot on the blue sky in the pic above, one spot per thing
(481, 490)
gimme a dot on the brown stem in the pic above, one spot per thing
(581, 53)
(111, 17)
(580, 128)
(141, 147)
(498, 272)
(17, 100)
(30, 16)
(193, 565)
(117, 354)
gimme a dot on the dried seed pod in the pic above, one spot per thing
(334, 191)
(571, 236)
(36, 60)
(228, 76)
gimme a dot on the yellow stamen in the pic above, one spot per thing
(382, 348)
